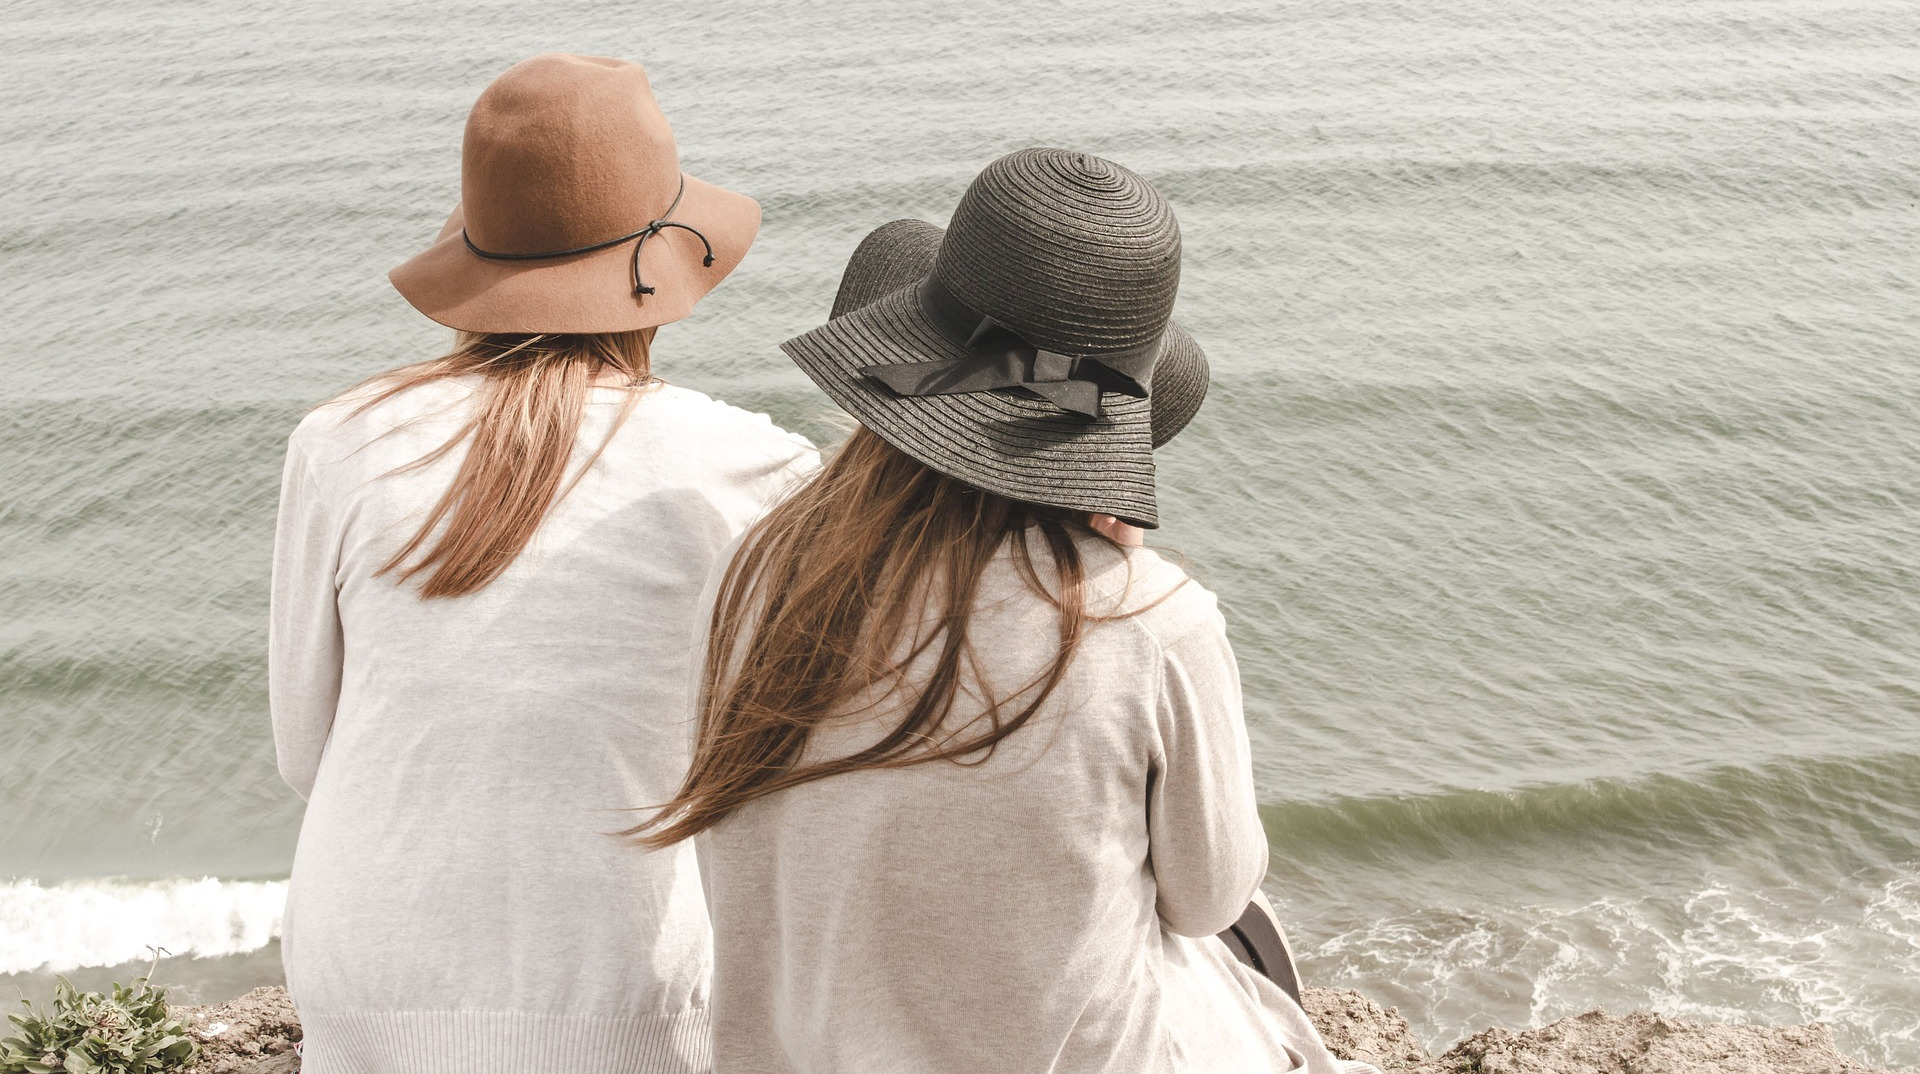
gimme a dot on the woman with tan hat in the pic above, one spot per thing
(484, 593)
(972, 788)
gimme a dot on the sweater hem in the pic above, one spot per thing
(503, 1042)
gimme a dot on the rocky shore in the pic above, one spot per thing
(255, 1034)
(1596, 1042)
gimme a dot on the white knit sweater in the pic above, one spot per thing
(457, 903)
(1051, 909)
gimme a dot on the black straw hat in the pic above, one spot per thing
(1023, 362)
(900, 253)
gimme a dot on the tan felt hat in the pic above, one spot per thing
(574, 215)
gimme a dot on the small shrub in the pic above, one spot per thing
(129, 1032)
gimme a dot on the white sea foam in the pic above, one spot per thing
(107, 922)
(1716, 953)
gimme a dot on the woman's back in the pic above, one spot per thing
(1009, 916)
(466, 757)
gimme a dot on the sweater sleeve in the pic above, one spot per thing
(1208, 849)
(304, 644)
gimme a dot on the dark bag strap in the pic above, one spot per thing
(1255, 940)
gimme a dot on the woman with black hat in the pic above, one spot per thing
(900, 254)
(972, 789)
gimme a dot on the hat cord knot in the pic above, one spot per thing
(654, 227)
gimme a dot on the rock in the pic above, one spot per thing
(1356, 1027)
(1646, 1043)
(253, 1034)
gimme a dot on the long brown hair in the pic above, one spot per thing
(529, 406)
(873, 563)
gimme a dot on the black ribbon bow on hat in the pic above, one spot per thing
(1002, 358)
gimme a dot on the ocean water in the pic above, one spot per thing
(1561, 473)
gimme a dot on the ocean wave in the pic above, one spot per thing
(108, 922)
(1805, 801)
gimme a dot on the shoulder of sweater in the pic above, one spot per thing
(347, 421)
(1155, 598)
(727, 420)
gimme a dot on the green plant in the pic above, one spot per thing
(129, 1032)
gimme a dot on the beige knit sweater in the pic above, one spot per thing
(1052, 909)
(457, 903)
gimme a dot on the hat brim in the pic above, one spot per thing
(1002, 441)
(584, 293)
(1180, 381)
(898, 253)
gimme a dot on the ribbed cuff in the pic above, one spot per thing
(503, 1042)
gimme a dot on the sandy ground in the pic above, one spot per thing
(255, 1033)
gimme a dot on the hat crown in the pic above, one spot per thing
(565, 151)
(1072, 251)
